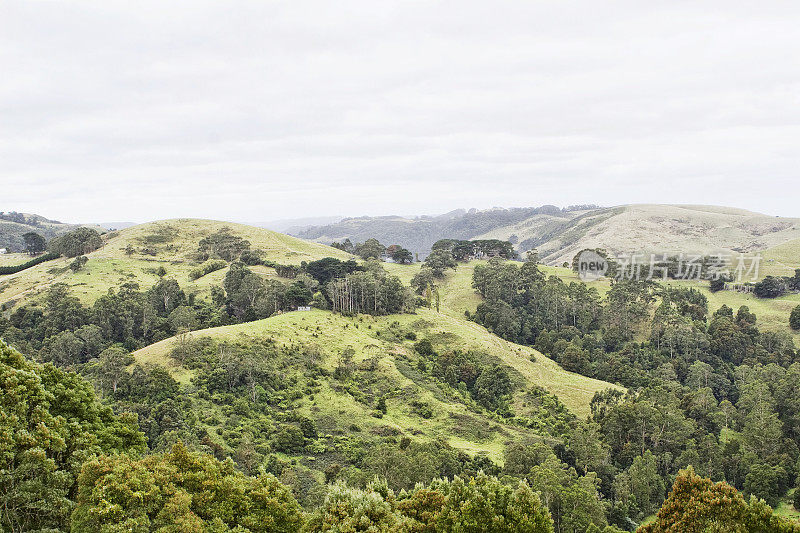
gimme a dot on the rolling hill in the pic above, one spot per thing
(14, 225)
(454, 418)
(135, 254)
(658, 229)
(559, 234)
(418, 234)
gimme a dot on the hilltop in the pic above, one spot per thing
(135, 254)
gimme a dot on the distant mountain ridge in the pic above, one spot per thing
(558, 234)
(418, 234)
(14, 225)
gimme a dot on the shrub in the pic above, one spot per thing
(79, 263)
(794, 318)
(212, 265)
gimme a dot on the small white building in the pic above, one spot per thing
(3, 251)
(304, 308)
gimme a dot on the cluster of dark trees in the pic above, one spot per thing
(774, 286)
(373, 249)
(80, 241)
(475, 249)
(66, 332)
(487, 381)
(372, 292)
(35, 244)
(328, 283)
(712, 391)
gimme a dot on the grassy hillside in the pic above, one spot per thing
(12, 259)
(464, 425)
(334, 333)
(781, 260)
(655, 228)
(170, 244)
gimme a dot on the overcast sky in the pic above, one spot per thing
(252, 111)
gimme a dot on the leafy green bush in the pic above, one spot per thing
(212, 265)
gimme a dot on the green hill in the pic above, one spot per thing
(453, 416)
(136, 253)
(334, 333)
(781, 260)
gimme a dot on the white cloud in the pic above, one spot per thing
(251, 110)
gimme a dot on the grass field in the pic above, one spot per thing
(14, 259)
(786, 508)
(781, 260)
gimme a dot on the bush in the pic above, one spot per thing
(79, 263)
(288, 438)
(794, 318)
(212, 265)
(424, 347)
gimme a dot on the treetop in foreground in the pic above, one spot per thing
(697, 505)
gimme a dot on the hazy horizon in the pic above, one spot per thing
(248, 111)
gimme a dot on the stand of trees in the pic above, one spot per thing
(35, 244)
(80, 241)
(372, 292)
(712, 391)
(475, 249)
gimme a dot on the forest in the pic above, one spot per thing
(701, 432)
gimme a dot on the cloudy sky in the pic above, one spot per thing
(253, 111)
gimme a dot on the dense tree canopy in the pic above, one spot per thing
(180, 491)
(50, 422)
(77, 242)
(34, 243)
